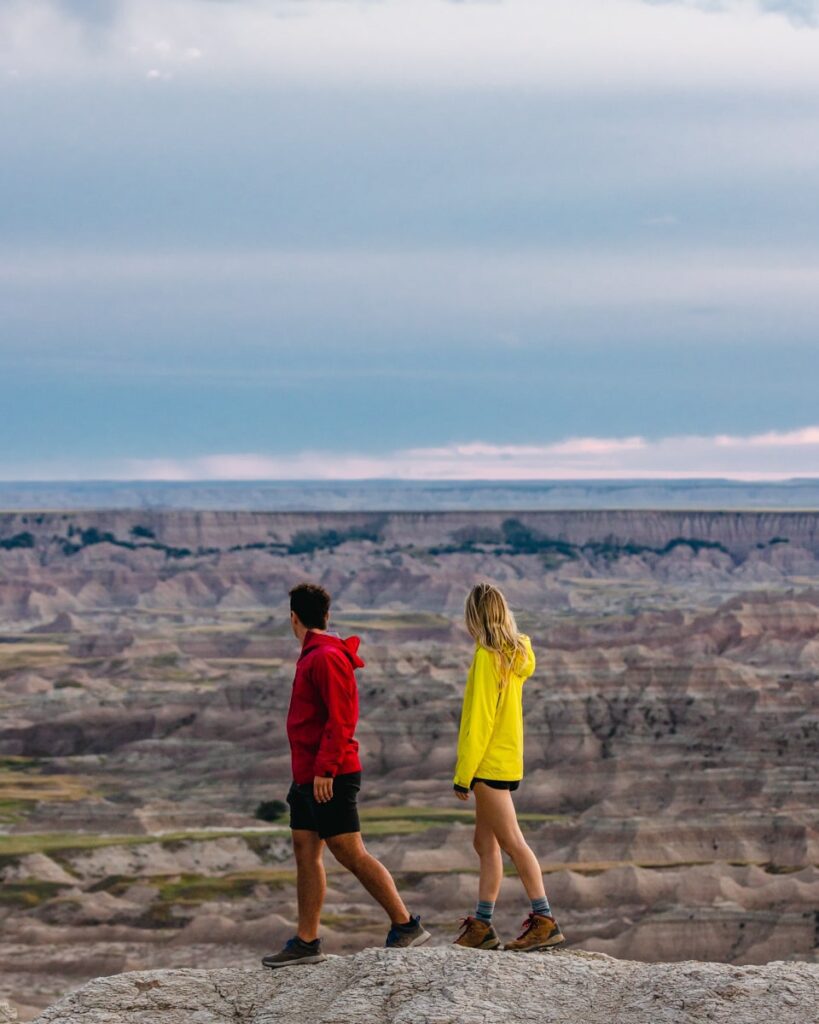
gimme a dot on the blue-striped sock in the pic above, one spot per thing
(485, 910)
(541, 906)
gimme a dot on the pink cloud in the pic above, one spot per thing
(768, 456)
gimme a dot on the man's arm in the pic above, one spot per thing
(335, 681)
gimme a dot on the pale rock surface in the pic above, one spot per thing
(454, 986)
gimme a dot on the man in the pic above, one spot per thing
(321, 727)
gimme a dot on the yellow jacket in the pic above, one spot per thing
(490, 741)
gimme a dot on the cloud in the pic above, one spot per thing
(800, 12)
(428, 43)
(769, 456)
(91, 12)
(509, 282)
(808, 437)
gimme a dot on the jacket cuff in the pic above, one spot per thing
(459, 789)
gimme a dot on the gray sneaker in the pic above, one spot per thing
(411, 934)
(296, 951)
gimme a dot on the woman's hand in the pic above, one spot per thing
(462, 796)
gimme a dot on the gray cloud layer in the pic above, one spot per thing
(511, 222)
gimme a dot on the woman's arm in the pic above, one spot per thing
(477, 717)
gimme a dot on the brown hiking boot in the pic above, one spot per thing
(539, 932)
(477, 935)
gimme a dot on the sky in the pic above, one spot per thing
(500, 239)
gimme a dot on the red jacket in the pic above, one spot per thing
(324, 708)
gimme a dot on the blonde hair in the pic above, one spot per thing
(492, 625)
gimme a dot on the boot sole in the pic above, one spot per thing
(555, 941)
(494, 943)
(419, 940)
(295, 963)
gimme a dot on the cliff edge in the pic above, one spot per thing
(454, 986)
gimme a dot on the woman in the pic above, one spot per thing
(490, 763)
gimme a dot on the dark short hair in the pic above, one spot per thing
(311, 603)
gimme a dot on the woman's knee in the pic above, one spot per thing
(485, 844)
(513, 846)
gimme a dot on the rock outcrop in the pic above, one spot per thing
(447, 986)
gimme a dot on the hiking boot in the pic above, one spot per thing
(539, 932)
(296, 951)
(411, 934)
(477, 934)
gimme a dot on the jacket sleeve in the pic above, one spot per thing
(529, 664)
(334, 679)
(477, 718)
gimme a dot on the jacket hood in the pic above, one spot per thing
(348, 647)
(526, 665)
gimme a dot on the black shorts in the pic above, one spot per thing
(496, 784)
(337, 816)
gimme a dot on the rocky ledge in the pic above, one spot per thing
(453, 986)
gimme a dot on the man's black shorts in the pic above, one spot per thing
(337, 816)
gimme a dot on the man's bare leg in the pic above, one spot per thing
(349, 850)
(311, 881)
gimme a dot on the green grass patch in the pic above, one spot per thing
(398, 621)
(68, 684)
(396, 827)
(20, 764)
(378, 821)
(192, 890)
(66, 843)
(13, 810)
(28, 894)
(169, 660)
(116, 885)
(352, 921)
(442, 815)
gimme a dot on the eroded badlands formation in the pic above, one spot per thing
(145, 667)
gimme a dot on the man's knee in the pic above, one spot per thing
(307, 846)
(348, 850)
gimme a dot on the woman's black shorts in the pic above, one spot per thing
(497, 784)
(337, 816)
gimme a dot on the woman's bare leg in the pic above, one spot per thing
(494, 807)
(489, 854)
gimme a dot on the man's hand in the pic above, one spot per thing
(322, 789)
(460, 795)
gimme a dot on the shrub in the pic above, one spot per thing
(270, 810)
(19, 540)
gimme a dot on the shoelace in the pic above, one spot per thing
(292, 944)
(465, 924)
(396, 931)
(527, 926)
